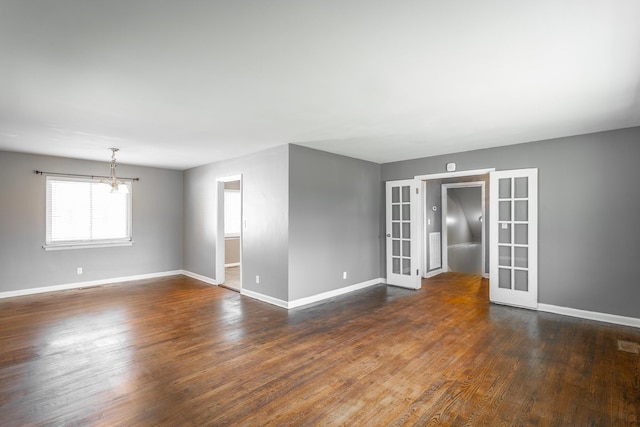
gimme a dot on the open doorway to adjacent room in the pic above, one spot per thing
(463, 234)
(229, 248)
(455, 223)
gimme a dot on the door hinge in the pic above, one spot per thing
(417, 190)
(417, 272)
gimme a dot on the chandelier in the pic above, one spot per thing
(117, 185)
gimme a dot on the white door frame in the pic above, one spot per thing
(423, 214)
(220, 249)
(444, 239)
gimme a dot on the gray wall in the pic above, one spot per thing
(157, 225)
(265, 187)
(334, 221)
(433, 198)
(588, 207)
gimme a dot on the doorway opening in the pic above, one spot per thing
(435, 239)
(463, 235)
(229, 241)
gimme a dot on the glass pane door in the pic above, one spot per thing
(513, 277)
(401, 246)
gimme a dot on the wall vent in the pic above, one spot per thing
(435, 260)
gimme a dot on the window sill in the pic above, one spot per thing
(63, 247)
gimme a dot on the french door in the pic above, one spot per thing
(403, 233)
(514, 238)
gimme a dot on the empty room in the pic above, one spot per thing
(319, 213)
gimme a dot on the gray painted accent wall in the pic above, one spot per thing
(265, 192)
(588, 205)
(334, 221)
(433, 198)
(157, 225)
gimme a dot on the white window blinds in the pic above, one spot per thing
(85, 212)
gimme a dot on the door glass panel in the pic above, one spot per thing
(521, 209)
(395, 194)
(505, 211)
(521, 188)
(504, 233)
(395, 212)
(406, 191)
(406, 266)
(521, 280)
(395, 230)
(504, 281)
(521, 234)
(505, 256)
(406, 248)
(504, 189)
(406, 230)
(406, 212)
(396, 265)
(521, 257)
(396, 248)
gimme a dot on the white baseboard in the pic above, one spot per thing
(314, 298)
(336, 292)
(433, 273)
(232, 264)
(485, 275)
(591, 315)
(200, 277)
(78, 285)
(264, 298)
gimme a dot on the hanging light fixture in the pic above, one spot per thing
(117, 186)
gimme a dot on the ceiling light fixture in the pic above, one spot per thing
(117, 186)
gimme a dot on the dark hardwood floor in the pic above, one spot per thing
(175, 351)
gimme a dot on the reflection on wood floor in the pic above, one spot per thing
(175, 351)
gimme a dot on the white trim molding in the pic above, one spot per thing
(591, 315)
(200, 277)
(312, 299)
(454, 174)
(336, 292)
(265, 298)
(433, 273)
(78, 285)
(232, 264)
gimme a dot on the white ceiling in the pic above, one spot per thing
(183, 83)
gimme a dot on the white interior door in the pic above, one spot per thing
(403, 233)
(514, 238)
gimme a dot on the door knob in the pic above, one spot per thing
(388, 234)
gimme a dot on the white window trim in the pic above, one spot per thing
(98, 243)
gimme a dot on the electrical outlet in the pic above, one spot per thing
(79, 270)
(344, 275)
(257, 279)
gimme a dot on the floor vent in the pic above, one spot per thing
(629, 347)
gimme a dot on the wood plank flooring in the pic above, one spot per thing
(175, 351)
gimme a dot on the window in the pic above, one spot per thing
(84, 213)
(232, 213)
